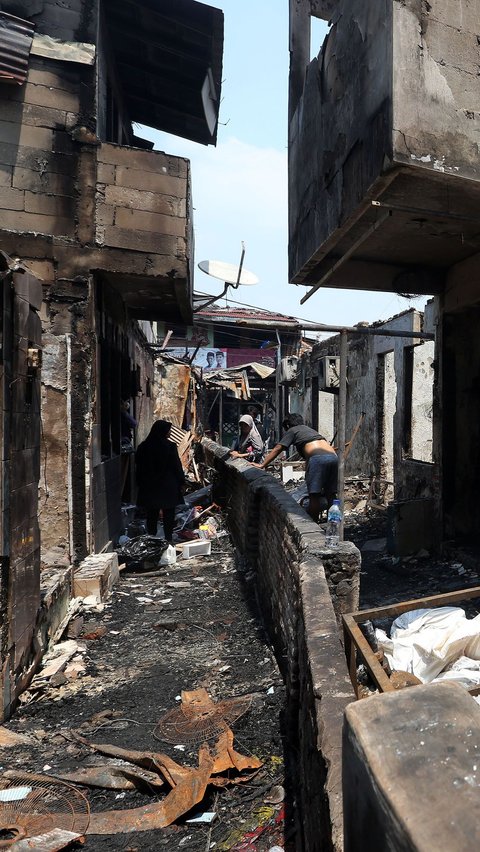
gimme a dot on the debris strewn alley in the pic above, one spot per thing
(187, 626)
(239, 561)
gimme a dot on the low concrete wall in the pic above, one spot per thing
(411, 773)
(287, 553)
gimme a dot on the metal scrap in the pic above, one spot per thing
(16, 37)
(114, 777)
(45, 804)
(188, 784)
(187, 793)
(198, 718)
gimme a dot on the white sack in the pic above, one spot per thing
(464, 671)
(425, 641)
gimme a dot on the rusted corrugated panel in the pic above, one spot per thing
(16, 37)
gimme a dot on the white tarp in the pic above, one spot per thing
(426, 642)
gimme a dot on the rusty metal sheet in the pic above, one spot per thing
(184, 796)
(227, 758)
(188, 785)
(198, 718)
(16, 37)
(171, 771)
(113, 777)
(173, 383)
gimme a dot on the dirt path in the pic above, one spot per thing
(193, 626)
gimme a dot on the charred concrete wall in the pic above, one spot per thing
(54, 176)
(390, 382)
(20, 470)
(76, 22)
(343, 117)
(393, 88)
(458, 399)
(435, 88)
(296, 580)
(424, 732)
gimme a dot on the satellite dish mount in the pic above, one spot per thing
(232, 275)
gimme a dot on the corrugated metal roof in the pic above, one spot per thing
(16, 37)
(225, 314)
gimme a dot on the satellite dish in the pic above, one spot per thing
(228, 272)
(231, 275)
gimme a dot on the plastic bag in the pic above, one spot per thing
(208, 530)
(169, 556)
(141, 550)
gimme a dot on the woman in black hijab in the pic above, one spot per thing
(160, 478)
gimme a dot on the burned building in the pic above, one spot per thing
(384, 189)
(104, 223)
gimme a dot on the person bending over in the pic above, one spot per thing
(322, 463)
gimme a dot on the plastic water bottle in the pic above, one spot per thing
(334, 519)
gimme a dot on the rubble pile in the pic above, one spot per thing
(161, 706)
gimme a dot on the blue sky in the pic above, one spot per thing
(240, 187)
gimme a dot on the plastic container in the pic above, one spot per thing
(334, 519)
(195, 548)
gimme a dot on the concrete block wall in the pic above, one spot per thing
(38, 158)
(142, 201)
(286, 551)
(377, 387)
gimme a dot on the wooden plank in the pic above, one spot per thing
(373, 665)
(417, 603)
(350, 653)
